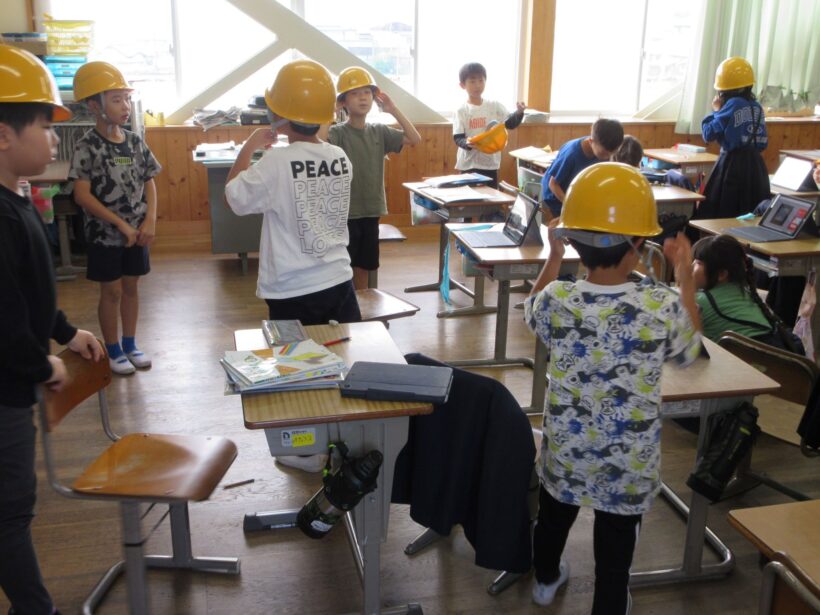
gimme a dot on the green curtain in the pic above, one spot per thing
(780, 38)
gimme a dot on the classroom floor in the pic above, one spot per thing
(191, 304)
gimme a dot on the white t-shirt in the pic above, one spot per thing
(472, 120)
(303, 190)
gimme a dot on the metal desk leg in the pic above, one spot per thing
(243, 262)
(692, 568)
(66, 271)
(443, 238)
(500, 357)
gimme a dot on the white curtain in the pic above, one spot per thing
(780, 38)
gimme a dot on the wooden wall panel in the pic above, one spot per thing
(182, 186)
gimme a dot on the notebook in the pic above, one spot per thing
(785, 218)
(397, 382)
(521, 217)
(794, 174)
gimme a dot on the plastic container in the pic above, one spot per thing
(69, 38)
(424, 211)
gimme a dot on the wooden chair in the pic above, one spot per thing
(380, 305)
(796, 375)
(802, 594)
(137, 468)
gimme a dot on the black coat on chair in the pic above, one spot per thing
(470, 463)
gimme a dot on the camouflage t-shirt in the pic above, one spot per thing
(601, 445)
(117, 172)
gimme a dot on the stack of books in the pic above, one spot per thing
(290, 367)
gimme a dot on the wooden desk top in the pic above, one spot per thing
(674, 156)
(793, 529)
(805, 194)
(523, 255)
(55, 173)
(804, 245)
(674, 194)
(491, 196)
(805, 154)
(370, 341)
(721, 375)
(534, 155)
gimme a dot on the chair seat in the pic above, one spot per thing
(164, 468)
(376, 304)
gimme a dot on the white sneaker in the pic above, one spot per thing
(139, 359)
(308, 463)
(121, 365)
(543, 594)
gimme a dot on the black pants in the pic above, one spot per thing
(614, 538)
(335, 303)
(20, 575)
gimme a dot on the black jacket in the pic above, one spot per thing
(470, 463)
(28, 302)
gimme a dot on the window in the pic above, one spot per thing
(618, 57)
(172, 50)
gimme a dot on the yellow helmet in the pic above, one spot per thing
(303, 92)
(354, 77)
(25, 79)
(610, 197)
(734, 73)
(98, 77)
(490, 141)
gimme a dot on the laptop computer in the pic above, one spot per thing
(519, 219)
(398, 382)
(785, 218)
(795, 174)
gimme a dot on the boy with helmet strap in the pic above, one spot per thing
(303, 192)
(29, 101)
(739, 180)
(113, 172)
(607, 338)
(367, 144)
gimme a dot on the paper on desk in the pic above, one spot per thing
(215, 147)
(462, 193)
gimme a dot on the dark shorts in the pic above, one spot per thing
(364, 243)
(110, 263)
(335, 303)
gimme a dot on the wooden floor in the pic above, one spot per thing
(191, 304)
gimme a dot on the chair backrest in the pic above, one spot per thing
(658, 260)
(795, 373)
(85, 379)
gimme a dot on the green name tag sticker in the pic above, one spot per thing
(294, 438)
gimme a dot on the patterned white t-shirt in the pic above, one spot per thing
(607, 344)
(472, 120)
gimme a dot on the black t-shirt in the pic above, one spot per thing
(28, 302)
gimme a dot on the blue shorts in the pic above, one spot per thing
(110, 263)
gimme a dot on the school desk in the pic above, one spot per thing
(531, 163)
(494, 202)
(503, 265)
(57, 173)
(790, 534)
(692, 164)
(304, 422)
(232, 234)
(675, 200)
(793, 257)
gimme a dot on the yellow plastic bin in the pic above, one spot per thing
(69, 37)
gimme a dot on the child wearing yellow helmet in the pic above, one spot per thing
(302, 191)
(480, 125)
(739, 179)
(29, 318)
(113, 172)
(608, 338)
(367, 144)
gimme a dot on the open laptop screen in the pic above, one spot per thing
(792, 174)
(787, 215)
(520, 216)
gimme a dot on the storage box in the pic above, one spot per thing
(69, 38)
(425, 211)
(33, 42)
